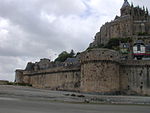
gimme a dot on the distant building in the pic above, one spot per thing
(134, 22)
(71, 61)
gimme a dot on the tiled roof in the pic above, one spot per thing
(71, 60)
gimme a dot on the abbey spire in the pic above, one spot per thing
(125, 9)
(125, 4)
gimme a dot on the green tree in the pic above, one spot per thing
(64, 55)
(114, 42)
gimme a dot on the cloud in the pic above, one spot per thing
(34, 29)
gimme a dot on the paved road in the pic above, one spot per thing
(16, 105)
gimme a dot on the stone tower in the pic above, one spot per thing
(100, 71)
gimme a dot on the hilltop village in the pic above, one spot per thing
(116, 62)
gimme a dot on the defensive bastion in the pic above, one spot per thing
(99, 71)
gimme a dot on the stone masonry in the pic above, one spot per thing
(99, 71)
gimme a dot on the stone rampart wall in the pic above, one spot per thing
(56, 78)
(101, 71)
(135, 77)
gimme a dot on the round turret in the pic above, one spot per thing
(100, 71)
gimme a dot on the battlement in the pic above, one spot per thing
(99, 54)
(45, 64)
(51, 71)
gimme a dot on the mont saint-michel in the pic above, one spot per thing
(116, 62)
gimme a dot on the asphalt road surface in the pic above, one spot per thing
(21, 105)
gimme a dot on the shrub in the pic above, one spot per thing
(64, 55)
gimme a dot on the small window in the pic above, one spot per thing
(128, 87)
(141, 87)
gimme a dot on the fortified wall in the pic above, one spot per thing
(135, 76)
(100, 71)
(103, 71)
(65, 77)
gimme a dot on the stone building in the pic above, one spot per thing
(99, 70)
(134, 22)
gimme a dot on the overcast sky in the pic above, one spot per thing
(35, 29)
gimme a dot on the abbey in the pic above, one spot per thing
(100, 70)
(133, 22)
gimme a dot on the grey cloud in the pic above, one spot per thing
(28, 18)
(9, 64)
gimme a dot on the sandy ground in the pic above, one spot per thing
(18, 99)
(65, 96)
(21, 105)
